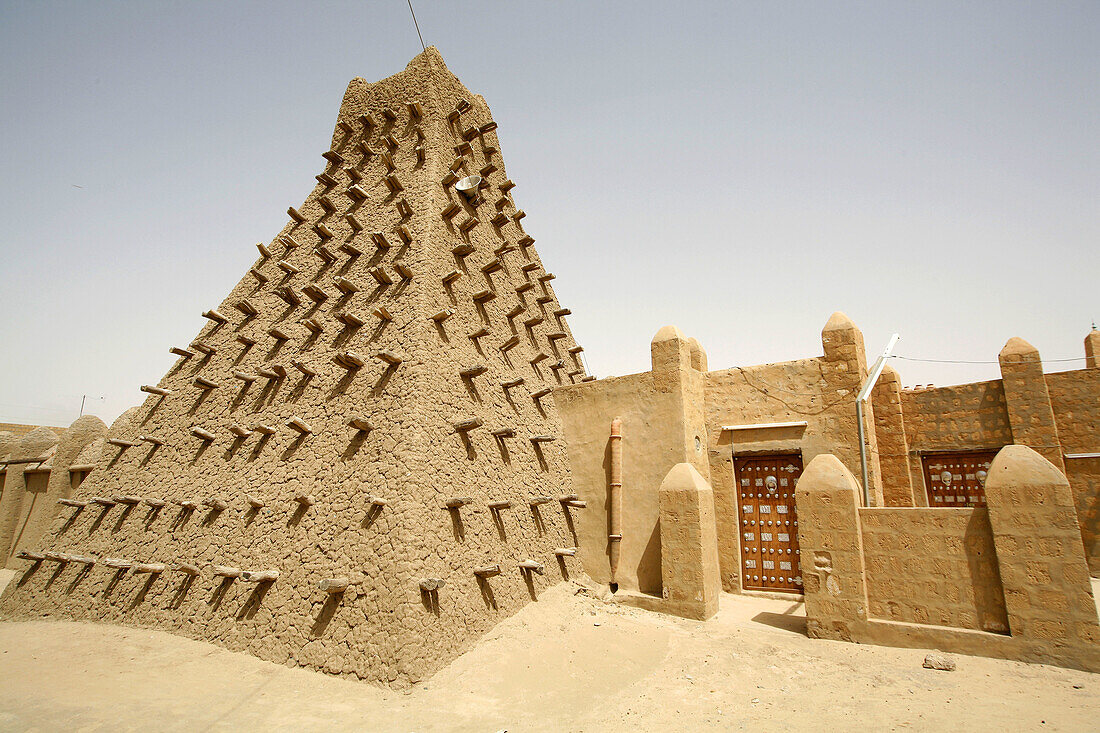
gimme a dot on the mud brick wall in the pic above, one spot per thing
(893, 446)
(392, 351)
(1075, 399)
(933, 567)
(820, 391)
(964, 417)
(923, 577)
(661, 413)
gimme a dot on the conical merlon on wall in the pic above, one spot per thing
(354, 465)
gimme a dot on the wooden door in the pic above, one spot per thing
(769, 523)
(956, 479)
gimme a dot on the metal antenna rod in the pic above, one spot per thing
(413, 13)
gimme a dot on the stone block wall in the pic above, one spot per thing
(870, 577)
(933, 567)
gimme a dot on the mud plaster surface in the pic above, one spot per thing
(383, 628)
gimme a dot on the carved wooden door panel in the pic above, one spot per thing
(956, 479)
(769, 524)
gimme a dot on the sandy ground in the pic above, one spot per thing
(567, 663)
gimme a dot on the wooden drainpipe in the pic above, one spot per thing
(616, 510)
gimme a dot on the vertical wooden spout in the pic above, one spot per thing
(616, 504)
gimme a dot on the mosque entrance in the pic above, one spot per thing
(956, 479)
(769, 522)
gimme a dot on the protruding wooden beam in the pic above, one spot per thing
(32, 556)
(73, 503)
(204, 383)
(361, 424)
(389, 357)
(349, 319)
(300, 425)
(383, 314)
(123, 444)
(530, 566)
(500, 504)
(565, 551)
(186, 568)
(264, 429)
(324, 254)
(213, 502)
(260, 576)
(432, 585)
(215, 316)
(334, 585)
(290, 295)
(225, 571)
(264, 251)
(272, 372)
(245, 306)
(541, 393)
(204, 435)
(345, 286)
(278, 334)
(504, 433)
(245, 376)
(304, 368)
(473, 371)
(314, 293)
(127, 499)
(117, 563)
(379, 273)
(295, 214)
(186, 504)
(256, 502)
(154, 568)
(487, 571)
(159, 391)
(349, 360)
(151, 439)
(260, 277)
(154, 503)
(466, 426)
(540, 500)
(185, 353)
(542, 438)
(457, 502)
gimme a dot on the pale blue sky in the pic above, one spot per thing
(739, 169)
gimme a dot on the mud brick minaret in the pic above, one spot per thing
(357, 464)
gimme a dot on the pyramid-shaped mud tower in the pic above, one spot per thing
(356, 466)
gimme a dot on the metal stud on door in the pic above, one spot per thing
(769, 522)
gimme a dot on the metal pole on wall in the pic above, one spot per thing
(864, 394)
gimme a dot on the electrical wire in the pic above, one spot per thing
(417, 25)
(961, 361)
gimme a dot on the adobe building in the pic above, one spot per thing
(384, 441)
